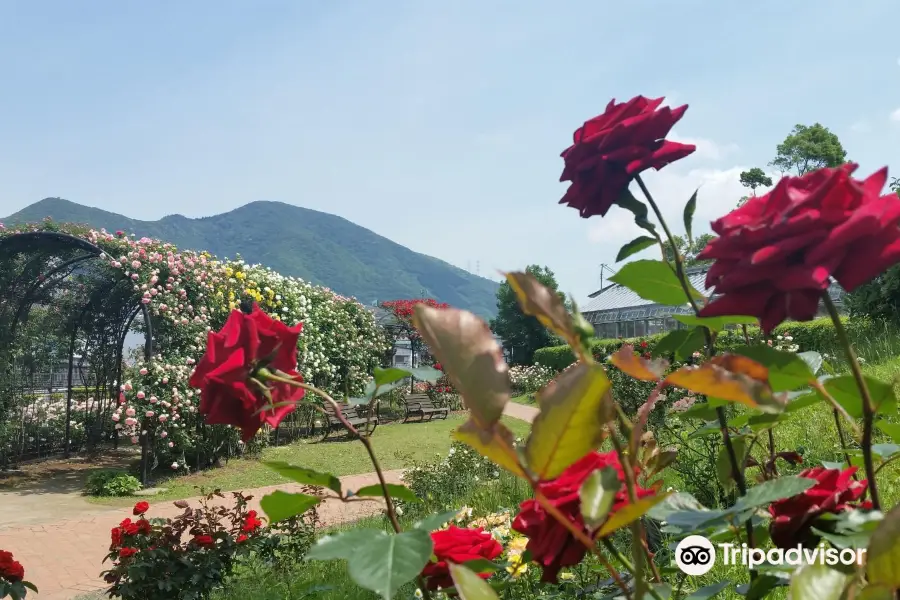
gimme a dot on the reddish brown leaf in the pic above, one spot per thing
(635, 366)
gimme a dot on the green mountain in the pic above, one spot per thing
(318, 247)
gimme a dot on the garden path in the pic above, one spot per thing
(63, 558)
(62, 539)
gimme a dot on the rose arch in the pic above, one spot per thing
(70, 299)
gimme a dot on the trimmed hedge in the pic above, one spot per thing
(818, 335)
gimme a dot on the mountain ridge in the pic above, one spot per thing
(319, 247)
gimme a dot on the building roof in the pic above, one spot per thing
(615, 296)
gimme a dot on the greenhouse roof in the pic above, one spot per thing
(615, 296)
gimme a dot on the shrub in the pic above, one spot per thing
(526, 380)
(110, 482)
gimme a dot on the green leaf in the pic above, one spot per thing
(371, 388)
(598, 494)
(301, 475)
(398, 492)
(883, 555)
(574, 409)
(714, 323)
(634, 246)
(482, 565)
(653, 280)
(844, 390)
(773, 490)
(394, 374)
(802, 400)
(689, 210)
(885, 451)
(813, 360)
(377, 561)
(630, 513)
(469, 586)
(723, 462)
(279, 505)
(680, 342)
(892, 430)
(817, 582)
(627, 201)
(853, 540)
(434, 522)
(677, 502)
(708, 592)
(700, 410)
(787, 371)
(468, 351)
(875, 592)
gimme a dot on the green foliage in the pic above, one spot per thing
(111, 482)
(689, 249)
(654, 280)
(808, 148)
(754, 178)
(318, 247)
(522, 335)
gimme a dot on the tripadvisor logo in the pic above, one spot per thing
(695, 555)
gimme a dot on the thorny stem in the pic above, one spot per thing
(772, 452)
(868, 405)
(392, 513)
(817, 385)
(720, 411)
(840, 432)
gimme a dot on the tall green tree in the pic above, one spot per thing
(808, 148)
(754, 178)
(521, 334)
(689, 250)
(895, 185)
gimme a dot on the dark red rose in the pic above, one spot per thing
(459, 546)
(551, 545)
(232, 354)
(251, 522)
(438, 366)
(643, 344)
(140, 508)
(115, 537)
(126, 552)
(611, 149)
(775, 254)
(835, 491)
(10, 569)
(204, 541)
(143, 526)
(241, 538)
(129, 528)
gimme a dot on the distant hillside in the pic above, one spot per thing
(319, 247)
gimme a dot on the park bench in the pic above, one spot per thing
(420, 405)
(358, 416)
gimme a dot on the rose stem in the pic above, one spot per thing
(392, 514)
(720, 411)
(867, 405)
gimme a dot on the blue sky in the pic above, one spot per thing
(436, 124)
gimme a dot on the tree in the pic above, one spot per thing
(689, 250)
(755, 178)
(808, 148)
(895, 184)
(521, 334)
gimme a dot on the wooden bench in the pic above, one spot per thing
(422, 406)
(358, 416)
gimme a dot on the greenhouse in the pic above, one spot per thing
(616, 311)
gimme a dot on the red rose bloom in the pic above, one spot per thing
(775, 254)
(241, 538)
(459, 546)
(10, 569)
(611, 149)
(129, 528)
(232, 354)
(438, 366)
(204, 541)
(143, 526)
(126, 552)
(834, 492)
(551, 545)
(115, 537)
(251, 523)
(140, 508)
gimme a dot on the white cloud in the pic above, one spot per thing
(895, 116)
(706, 149)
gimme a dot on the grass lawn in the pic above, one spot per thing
(397, 445)
(525, 399)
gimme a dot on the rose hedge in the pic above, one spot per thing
(818, 335)
(190, 293)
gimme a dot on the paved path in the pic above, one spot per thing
(62, 546)
(63, 559)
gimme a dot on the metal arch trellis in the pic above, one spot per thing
(51, 282)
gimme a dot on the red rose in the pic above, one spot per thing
(775, 254)
(460, 546)
(643, 344)
(438, 366)
(140, 508)
(551, 545)
(126, 552)
(115, 537)
(129, 528)
(204, 541)
(10, 569)
(611, 149)
(241, 538)
(251, 522)
(143, 526)
(834, 492)
(232, 355)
